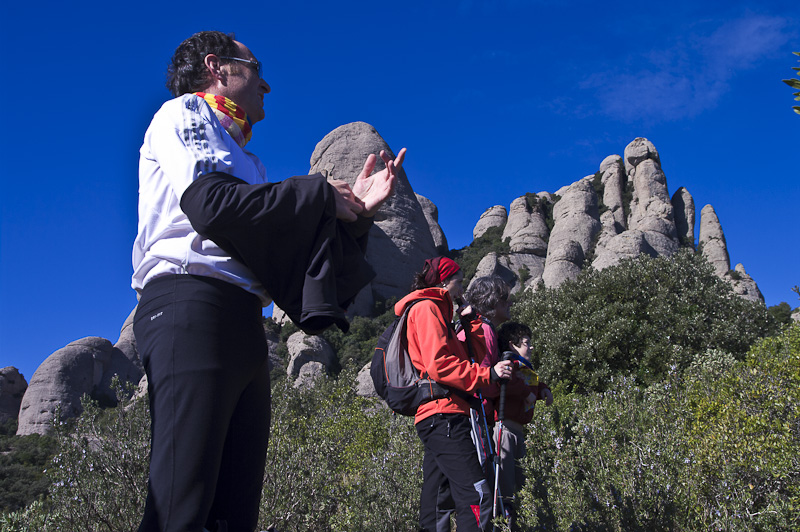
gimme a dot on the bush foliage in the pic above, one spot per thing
(714, 447)
(22, 462)
(335, 462)
(637, 318)
(469, 256)
(670, 414)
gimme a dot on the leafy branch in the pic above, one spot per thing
(795, 84)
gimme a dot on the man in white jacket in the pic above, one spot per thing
(198, 325)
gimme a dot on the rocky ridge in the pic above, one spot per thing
(619, 212)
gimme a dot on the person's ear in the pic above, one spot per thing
(214, 67)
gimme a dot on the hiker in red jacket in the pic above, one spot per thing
(443, 424)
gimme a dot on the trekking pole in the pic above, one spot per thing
(501, 415)
(470, 351)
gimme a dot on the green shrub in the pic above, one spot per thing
(468, 257)
(356, 348)
(336, 462)
(22, 463)
(599, 190)
(716, 448)
(745, 435)
(607, 461)
(637, 318)
(781, 313)
(98, 477)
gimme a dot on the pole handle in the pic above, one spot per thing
(501, 411)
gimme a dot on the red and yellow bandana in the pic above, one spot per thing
(231, 116)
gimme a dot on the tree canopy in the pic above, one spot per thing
(637, 318)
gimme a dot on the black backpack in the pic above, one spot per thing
(396, 379)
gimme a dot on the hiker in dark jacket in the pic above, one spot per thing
(522, 392)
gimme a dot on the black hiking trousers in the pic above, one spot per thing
(450, 456)
(203, 347)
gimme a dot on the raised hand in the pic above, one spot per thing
(372, 190)
(347, 205)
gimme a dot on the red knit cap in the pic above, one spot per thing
(447, 267)
(438, 269)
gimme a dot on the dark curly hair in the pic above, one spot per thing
(187, 71)
(484, 293)
(513, 332)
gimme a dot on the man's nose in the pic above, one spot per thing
(264, 86)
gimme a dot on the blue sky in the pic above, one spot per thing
(493, 99)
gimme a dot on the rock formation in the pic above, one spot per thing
(309, 372)
(614, 181)
(127, 342)
(304, 350)
(401, 239)
(85, 366)
(712, 241)
(12, 388)
(526, 227)
(518, 270)
(576, 223)
(651, 208)
(743, 285)
(683, 205)
(496, 216)
(620, 212)
(564, 261)
(432, 216)
(364, 385)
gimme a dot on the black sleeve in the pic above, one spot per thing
(287, 234)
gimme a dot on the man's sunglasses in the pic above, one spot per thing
(253, 64)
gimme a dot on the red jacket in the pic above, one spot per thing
(516, 393)
(435, 350)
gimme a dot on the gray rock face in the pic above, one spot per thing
(85, 366)
(576, 223)
(364, 385)
(12, 388)
(612, 221)
(613, 177)
(400, 240)
(575, 215)
(683, 207)
(712, 241)
(273, 340)
(432, 216)
(564, 261)
(127, 342)
(512, 268)
(526, 228)
(496, 216)
(310, 372)
(651, 209)
(627, 245)
(743, 285)
(304, 349)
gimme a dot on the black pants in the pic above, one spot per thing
(450, 457)
(203, 347)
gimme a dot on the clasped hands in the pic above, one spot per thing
(369, 191)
